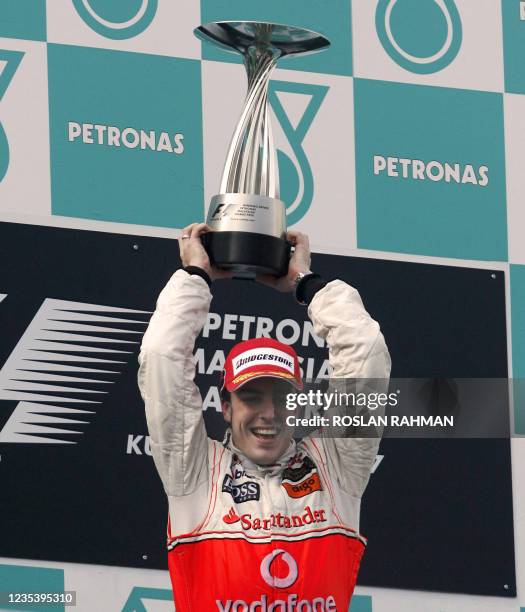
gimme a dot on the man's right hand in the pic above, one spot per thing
(192, 252)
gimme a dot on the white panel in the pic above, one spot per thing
(478, 64)
(397, 600)
(169, 33)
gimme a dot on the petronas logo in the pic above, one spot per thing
(296, 179)
(118, 20)
(422, 36)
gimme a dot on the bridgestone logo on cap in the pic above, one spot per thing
(262, 356)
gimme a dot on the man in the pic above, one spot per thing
(257, 522)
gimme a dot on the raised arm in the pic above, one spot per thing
(357, 351)
(167, 370)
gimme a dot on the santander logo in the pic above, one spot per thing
(286, 521)
(231, 517)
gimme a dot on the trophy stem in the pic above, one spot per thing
(251, 163)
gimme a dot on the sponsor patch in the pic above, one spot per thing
(303, 479)
(305, 487)
(286, 521)
(295, 474)
(231, 517)
(262, 356)
(242, 492)
(247, 375)
(236, 468)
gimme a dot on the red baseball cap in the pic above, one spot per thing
(260, 357)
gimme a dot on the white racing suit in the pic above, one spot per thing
(243, 536)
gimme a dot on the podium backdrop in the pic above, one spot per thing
(401, 155)
(87, 475)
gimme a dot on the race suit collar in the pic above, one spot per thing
(250, 465)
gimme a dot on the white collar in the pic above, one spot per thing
(250, 465)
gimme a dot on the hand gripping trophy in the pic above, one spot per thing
(247, 216)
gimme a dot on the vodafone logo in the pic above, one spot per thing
(268, 602)
(273, 581)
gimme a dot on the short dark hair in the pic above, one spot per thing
(225, 395)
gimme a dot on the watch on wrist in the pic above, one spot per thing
(308, 284)
(298, 285)
(299, 277)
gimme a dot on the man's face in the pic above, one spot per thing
(257, 415)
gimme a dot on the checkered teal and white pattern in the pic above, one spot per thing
(405, 140)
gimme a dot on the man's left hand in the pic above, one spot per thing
(299, 263)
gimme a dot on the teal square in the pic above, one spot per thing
(141, 171)
(23, 19)
(332, 18)
(448, 198)
(361, 603)
(517, 293)
(513, 45)
(28, 579)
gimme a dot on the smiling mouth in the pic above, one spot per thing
(265, 433)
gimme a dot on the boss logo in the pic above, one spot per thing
(244, 492)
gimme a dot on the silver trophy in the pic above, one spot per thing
(247, 216)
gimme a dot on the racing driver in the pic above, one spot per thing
(257, 522)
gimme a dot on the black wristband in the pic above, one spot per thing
(198, 272)
(307, 287)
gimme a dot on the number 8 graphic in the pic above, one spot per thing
(10, 61)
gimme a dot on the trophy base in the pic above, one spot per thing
(247, 254)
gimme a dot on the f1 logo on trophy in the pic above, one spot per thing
(247, 216)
